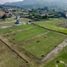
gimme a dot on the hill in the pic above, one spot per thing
(40, 3)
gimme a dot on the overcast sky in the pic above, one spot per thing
(4, 1)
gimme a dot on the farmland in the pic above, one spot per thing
(61, 57)
(9, 59)
(34, 40)
(55, 24)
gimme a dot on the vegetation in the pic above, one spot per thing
(9, 59)
(42, 45)
(61, 57)
(53, 24)
(38, 32)
(34, 39)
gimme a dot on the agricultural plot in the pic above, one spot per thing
(61, 60)
(9, 22)
(54, 24)
(36, 40)
(33, 41)
(42, 45)
(14, 28)
(9, 59)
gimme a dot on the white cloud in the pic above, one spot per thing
(4, 1)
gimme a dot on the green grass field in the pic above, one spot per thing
(36, 40)
(46, 43)
(14, 28)
(61, 57)
(54, 24)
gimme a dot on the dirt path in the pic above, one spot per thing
(54, 52)
(21, 55)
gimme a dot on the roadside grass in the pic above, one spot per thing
(53, 24)
(62, 56)
(9, 58)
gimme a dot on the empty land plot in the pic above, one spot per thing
(9, 58)
(8, 20)
(24, 20)
(61, 57)
(15, 28)
(54, 24)
(42, 45)
(25, 35)
(37, 41)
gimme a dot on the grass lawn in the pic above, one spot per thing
(53, 24)
(9, 58)
(61, 57)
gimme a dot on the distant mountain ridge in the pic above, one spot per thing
(39, 3)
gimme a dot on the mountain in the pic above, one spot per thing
(40, 3)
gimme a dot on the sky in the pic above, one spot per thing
(4, 1)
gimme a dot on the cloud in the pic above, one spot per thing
(4, 1)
